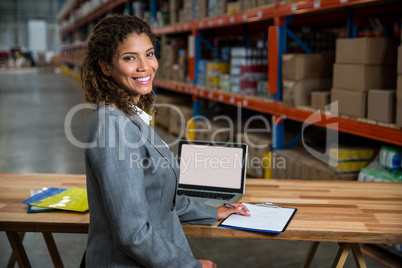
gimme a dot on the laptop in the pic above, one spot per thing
(213, 173)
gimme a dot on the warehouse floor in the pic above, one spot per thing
(33, 109)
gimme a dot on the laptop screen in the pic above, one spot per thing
(212, 166)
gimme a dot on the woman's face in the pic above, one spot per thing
(134, 65)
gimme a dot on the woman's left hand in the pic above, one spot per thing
(238, 208)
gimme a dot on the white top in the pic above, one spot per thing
(144, 116)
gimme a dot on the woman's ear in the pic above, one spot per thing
(106, 68)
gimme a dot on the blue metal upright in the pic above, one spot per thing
(352, 29)
(153, 6)
(278, 124)
(128, 9)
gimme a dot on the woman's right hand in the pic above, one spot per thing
(207, 264)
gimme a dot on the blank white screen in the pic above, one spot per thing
(212, 166)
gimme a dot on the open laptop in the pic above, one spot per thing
(211, 172)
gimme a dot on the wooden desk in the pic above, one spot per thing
(332, 211)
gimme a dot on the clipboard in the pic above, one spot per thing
(262, 219)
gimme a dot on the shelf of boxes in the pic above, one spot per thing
(391, 135)
(275, 11)
(272, 11)
(95, 12)
(359, 126)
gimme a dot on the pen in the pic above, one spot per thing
(231, 206)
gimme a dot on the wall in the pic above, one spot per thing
(14, 17)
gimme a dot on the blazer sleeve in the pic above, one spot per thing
(193, 212)
(123, 194)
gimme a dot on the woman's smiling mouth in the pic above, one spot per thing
(143, 80)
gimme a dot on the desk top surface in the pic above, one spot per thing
(337, 211)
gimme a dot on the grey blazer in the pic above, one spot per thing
(135, 214)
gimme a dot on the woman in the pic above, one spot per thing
(132, 177)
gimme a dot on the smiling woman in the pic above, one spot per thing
(120, 65)
(135, 212)
(133, 66)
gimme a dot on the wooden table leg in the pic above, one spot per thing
(12, 259)
(342, 255)
(357, 253)
(310, 254)
(54, 253)
(18, 249)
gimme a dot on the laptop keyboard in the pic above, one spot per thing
(219, 196)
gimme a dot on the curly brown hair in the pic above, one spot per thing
(103, 43)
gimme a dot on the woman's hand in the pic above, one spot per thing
(230, 208)
(207, 264)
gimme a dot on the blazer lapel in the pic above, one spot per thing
(154, 139)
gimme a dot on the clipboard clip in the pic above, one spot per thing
(268, 205)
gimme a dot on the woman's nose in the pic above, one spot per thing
(142, 65)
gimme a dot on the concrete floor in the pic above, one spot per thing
(33, 108)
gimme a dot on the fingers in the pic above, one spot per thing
(240, 209)
(207, 264)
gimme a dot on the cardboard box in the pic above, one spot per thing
(178, 120)
(264, 2)
(218, 131)
(320, 99)
(307, 66)
(366, 50)
(201, 9)
(399, 87)
(381, 105)
(364, 77)
(399, 61)
(350, 102)
(163, 103)
(297, 93)
(399, 112)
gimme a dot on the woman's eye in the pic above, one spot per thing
(129, 58)
(150, 54)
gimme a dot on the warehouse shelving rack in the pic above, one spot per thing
(277, 16)
(278, 13)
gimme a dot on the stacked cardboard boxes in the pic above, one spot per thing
(214, 130)
(179, 115)
(180, 69)
(201, 9)
(303, 74)
(168, 56)
(174, 7)
(320, 99)
(258, 145)
(186, 13)
(265, 2)
(399, 90)
(165, 108)
(362, 64)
